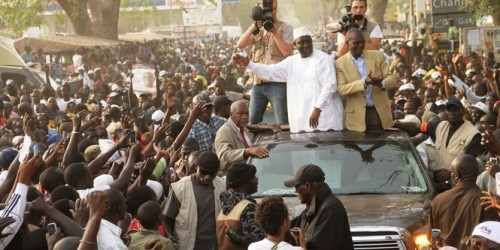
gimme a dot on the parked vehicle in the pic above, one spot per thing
(380, 179)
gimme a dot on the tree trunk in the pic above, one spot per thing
(104, 22)
(377, 11)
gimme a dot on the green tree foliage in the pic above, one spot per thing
(483, 8)
(18, 15)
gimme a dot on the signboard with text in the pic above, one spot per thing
(442, 10)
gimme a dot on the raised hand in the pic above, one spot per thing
(490, 201)
(98, 203)
(39, 206)
(126, 122)
(197, 110)
(77, 121)
(81, 212)
(124, 142)
(27, 122)
(28, 168)
(147, 168)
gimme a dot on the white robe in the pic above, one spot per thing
(311, 82)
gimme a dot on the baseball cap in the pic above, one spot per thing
(306, 173)
(202, 97)
(157, 115)
(162, 73)
(9, 82)
(489, 230)
(454, 102)
(481, 106)
(436, 75)
(440, 102)
(407, 86)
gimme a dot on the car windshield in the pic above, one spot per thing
(351, 167)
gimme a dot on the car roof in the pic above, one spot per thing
(330, 136)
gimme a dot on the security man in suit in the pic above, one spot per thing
(367, 106)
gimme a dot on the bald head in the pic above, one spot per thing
(466, 166)
(239, 113)
(238, 105)
(356, 42)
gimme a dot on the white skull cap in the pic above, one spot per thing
(302, 31)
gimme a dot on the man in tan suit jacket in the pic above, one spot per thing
(233, 141)
(363, 77)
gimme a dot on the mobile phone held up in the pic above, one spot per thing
(51, 228)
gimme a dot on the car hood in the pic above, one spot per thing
(408, 211)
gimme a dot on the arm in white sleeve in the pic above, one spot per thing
(328, 80)
(273, 72)
(15, 208)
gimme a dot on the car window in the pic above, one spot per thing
(18, 78)
(351, 167)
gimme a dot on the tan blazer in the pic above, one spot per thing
(351, 86)
(229, 145)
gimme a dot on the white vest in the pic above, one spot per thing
(457, 145)
(185, 222)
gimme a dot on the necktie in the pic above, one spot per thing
(242, 132)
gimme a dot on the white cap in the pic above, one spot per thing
(10, 81)
(90, 72)
(114, 87)
(157, 115)
(30, 64)
(489, 230)
(436, 75)
(163, 73)
(302, 31)
(80, 68)
(103, 180)
(157, 188)
(470, 71)
(440, 102)
(407, 86)
(481, 106)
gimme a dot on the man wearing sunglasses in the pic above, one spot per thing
(193, 205)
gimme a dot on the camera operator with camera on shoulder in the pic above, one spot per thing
(272, 42)
(370, 30)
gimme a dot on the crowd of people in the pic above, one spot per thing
(94, 164)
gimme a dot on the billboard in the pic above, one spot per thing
(442, 10)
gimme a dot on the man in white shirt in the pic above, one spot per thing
(108, 236)
(312, 98)
(371, 30)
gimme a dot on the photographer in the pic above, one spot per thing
(371, 30)
(270, 45)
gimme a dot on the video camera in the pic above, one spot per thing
(264, 14)
(349, 20)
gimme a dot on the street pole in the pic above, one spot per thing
(412, 30)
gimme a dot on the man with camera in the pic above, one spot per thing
(370, 30)
(272, 42)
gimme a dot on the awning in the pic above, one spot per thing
(56, 44)
(144, 37)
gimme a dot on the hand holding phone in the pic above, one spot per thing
(51, 228)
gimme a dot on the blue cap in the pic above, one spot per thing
(454, 102)
(7, 156)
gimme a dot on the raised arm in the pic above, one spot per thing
(101, 160)
(72, 149)
(122, 182)
(98, 205)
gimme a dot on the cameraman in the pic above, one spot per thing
(269, 47)
(371, 30)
